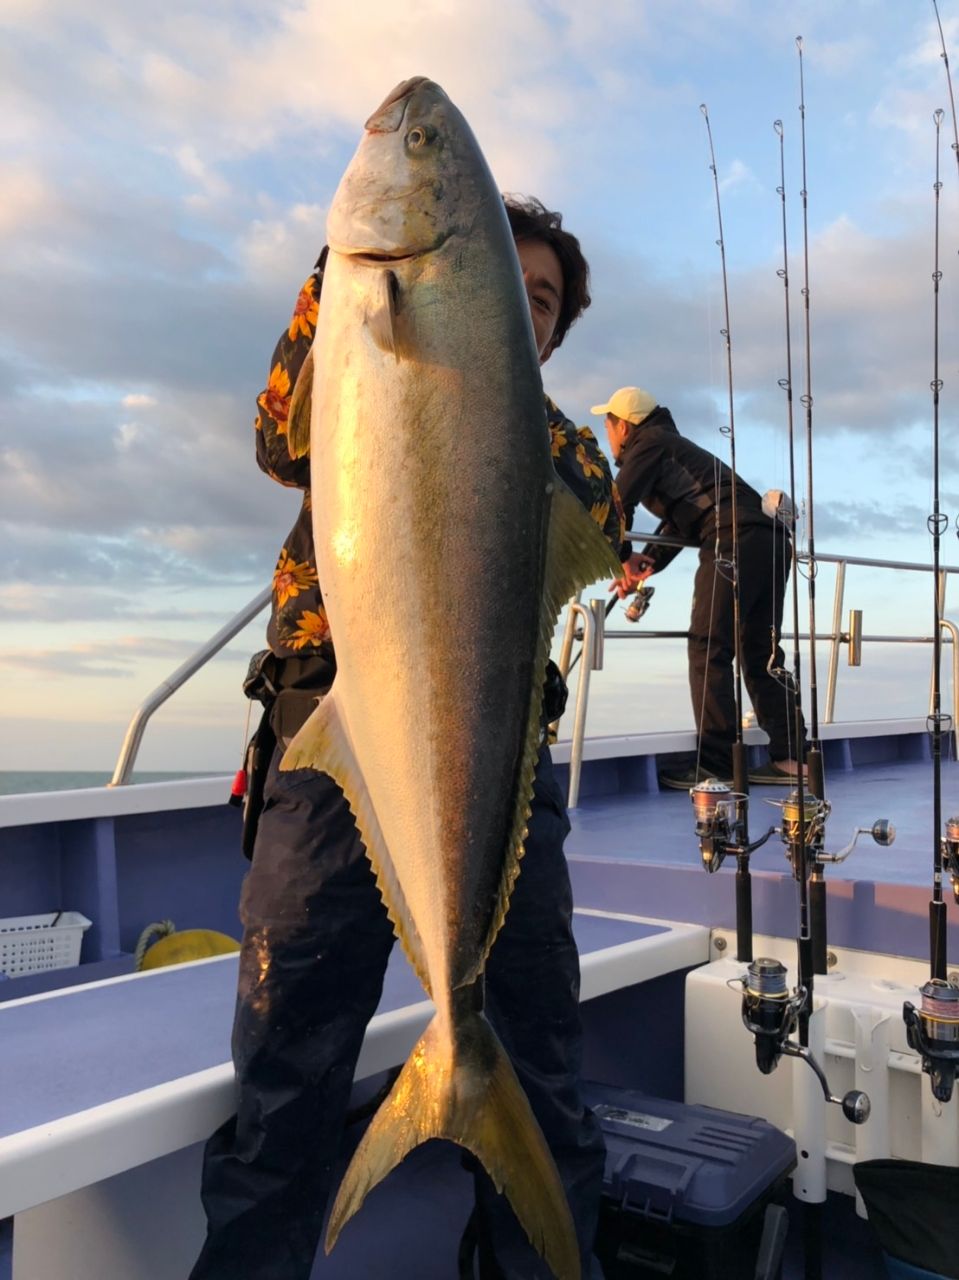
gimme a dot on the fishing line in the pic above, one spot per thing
(791, 681)
(712, 609)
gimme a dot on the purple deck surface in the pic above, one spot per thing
(68, 1053)
(658, 826)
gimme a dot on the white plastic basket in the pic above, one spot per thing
(32, 944)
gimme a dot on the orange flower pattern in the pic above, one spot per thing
(298, 625)
(291, 577)
(313, 629)
(303, 324)
(275, 400)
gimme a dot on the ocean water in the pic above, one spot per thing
(15, 782)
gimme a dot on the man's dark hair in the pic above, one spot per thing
(529, 219)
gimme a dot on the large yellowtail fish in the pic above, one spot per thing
(446, 546)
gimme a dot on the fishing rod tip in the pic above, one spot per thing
(778, 126)
(799, 43)
(937, 116)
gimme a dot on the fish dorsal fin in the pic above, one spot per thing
(301, 404)
(381, 312)
(323, 743)
(577, 554)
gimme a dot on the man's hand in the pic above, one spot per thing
(635, 571)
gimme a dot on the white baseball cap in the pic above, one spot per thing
(633, 404)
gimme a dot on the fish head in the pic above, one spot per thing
(417, 179)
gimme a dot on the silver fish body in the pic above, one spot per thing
(445, 545)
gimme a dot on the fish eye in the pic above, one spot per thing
(419, 136)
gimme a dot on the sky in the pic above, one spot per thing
(166, 172)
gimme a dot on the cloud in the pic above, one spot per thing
(154, 237)
(854, 519)
(737, 175)
(20, 602)
(117, 658)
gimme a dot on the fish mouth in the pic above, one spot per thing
(388, 116)
(376, 257)
(367, 256)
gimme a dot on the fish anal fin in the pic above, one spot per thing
(323, 743)
(468, 1094)
(301, 404)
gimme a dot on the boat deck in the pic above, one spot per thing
(107, 1088)
(657, 826)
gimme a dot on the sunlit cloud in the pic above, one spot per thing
(154, 237)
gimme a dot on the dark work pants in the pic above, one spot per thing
(315, 946)
(711, 647)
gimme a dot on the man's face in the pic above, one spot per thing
(543, 277)
(616, 433)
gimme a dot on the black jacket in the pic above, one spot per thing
(682, 484)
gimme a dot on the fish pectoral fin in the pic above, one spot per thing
(323, 744)
(381, 313)
(578, 554)
(469, 1095)
(301, 404)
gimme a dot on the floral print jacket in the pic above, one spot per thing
(298, 626)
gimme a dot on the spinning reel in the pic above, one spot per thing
(720, 815)
(933, 1031)
(770, 1014)
(950, 853)
(639, 603)
(803, 833)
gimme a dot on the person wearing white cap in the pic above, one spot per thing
(690, 491)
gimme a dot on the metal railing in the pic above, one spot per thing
(836, 637)
(141, 717)
(591, 635)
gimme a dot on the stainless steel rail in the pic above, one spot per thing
(592, 635)
(593, 616)
(136, 727)
(836, 636)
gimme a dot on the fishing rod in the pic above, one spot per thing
(806, 810)
(792, 680)
(804, 835)
(721, 814)
(952, 100)
(771, 1012)
(952, 824)
(933, 1030)
(740, 775)
(814, 761)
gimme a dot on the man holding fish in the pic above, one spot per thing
(447, 516)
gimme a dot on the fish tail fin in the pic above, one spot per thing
(466, 1090)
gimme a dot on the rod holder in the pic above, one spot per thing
(598, 609)
(854, 650)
